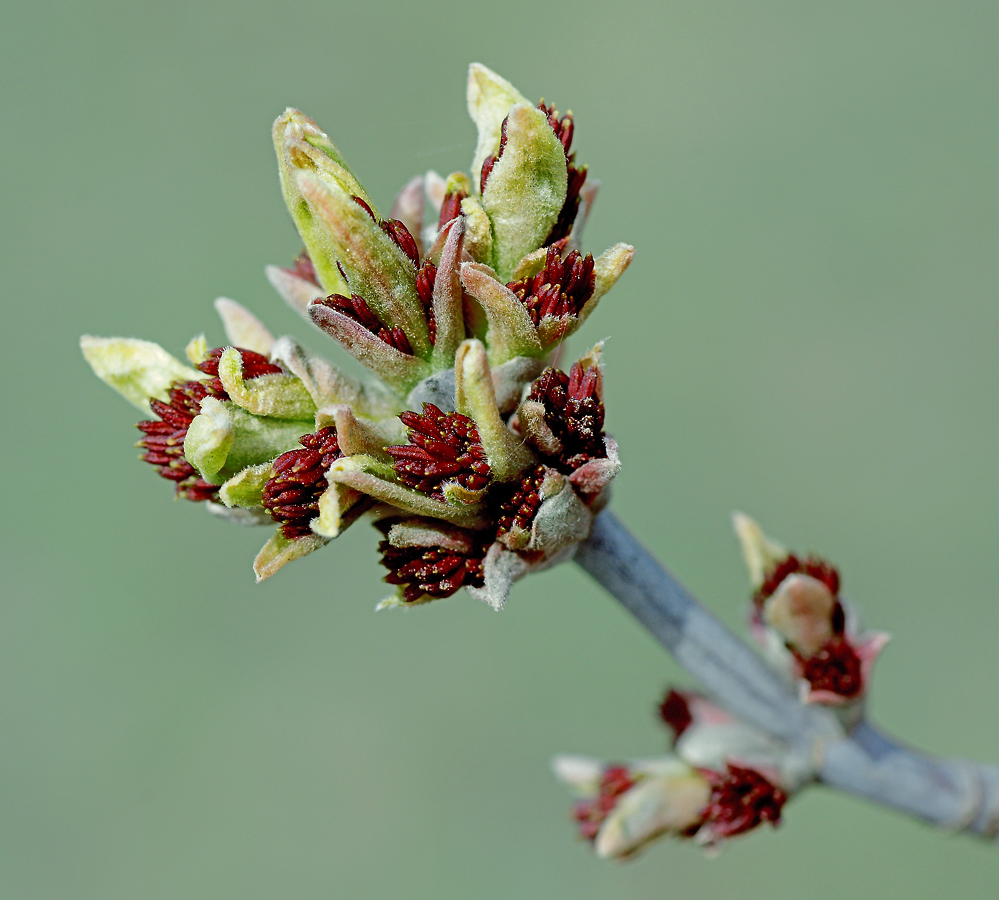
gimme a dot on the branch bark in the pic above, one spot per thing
(953, 794)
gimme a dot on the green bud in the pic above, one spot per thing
(136, 369)
(242, 328)
(526, 190)
(378, 270)
(510, 331)
(302, 146)
(475, 397)
(225, 439)
(274, 395)
(489, 100)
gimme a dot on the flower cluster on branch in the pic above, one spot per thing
(723, 776)
(476, 457)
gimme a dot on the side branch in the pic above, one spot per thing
(953, 794)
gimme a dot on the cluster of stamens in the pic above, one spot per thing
(442, 447)
(164, 439)
(396, 230)
(356, 307)
(291, 495)
(573, 412)
(432, 571)
(564, 128)
(517, 509)
(426, 277)
(164, 436)
(741, 799)
(254, 365)
(560, 289)
(836, 667)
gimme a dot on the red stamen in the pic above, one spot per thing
(432, 571)
(451, 207)
(442, 447)
(403, 238)
(356, 308)
(291, 495)
(560, 289)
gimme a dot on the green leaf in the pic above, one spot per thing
(136, 369)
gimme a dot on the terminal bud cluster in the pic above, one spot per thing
(477, 458)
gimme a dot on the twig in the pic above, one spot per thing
(954, 794)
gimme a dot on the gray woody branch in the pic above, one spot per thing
(954, 794)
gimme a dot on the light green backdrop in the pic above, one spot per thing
(809, 332)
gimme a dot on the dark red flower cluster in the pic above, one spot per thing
(564, 129)
(426, 278)
(560, 289)
(164, 437)
(291, 495)
(741, 799)
(519, 502)
(791, 565)
(254, 365)
(835, 668)
(675, 713)
(590, 814)
(432, 571)
(445, 447)
(356, 308)
(442, 447)
(573, 412)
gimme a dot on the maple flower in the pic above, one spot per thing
(478, 460)
(721, 778)
(804, 623)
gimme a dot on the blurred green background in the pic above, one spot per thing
(808, 333)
